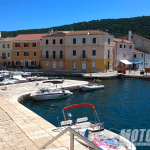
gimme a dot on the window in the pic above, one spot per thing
(130, 46)
(3, 55)
(124, 46)
(47, 63)
(61, 54)
(83, 54)
(93, 64)
(68, 52)
(54, 54)
(74, 40)
(34, 53)
(134, 55)
(3, 45)
(94, 40)
(7, 45)
(33, 63)
(26, 44)
(8, 54)
(47, 54)
(34, 44)
(108, 41)
(83, 40)
(61, 41)
(108, 54)
(74, 52)
(142, 55)
(124, 55)
(93, 52)
(120, 55)
(17, 44)
(61, 63)
(54, 41)
(17, 53)
(46, 41)
(17, 63)
(120, 45)
(26, 53)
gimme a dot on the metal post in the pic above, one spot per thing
(71, 141)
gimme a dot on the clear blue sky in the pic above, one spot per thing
(36, 14)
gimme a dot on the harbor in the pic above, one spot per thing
(23, 129)
(28, 124)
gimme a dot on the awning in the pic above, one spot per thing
(126, 62)
(136, 62)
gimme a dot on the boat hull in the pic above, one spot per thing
(89, 88)
(50, 96)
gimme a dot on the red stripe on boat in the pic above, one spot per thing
(79, 105)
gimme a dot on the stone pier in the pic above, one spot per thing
(22, 129)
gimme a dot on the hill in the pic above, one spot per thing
(116, 27)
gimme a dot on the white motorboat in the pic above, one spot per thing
(36, 78)
(7, 81)
(4, 74)
(94, 131)
(92, 86)
(48, 94)
(18, 77)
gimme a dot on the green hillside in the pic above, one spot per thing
(116, 27)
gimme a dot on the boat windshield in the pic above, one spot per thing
(16, 73)
(44, 90)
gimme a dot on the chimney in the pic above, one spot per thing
(0, 34)
(106, 31)
(129, 35)
(51, 30)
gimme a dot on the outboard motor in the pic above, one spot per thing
(68, 116)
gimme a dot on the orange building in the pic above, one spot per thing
(26, 50)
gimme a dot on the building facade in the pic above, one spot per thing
(26, 51)
(53, 51)
(5, 52)
(142, 49)
(123, 50)
(78, 50)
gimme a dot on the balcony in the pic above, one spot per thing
(57, 57)
(3, 57)
(83, 57)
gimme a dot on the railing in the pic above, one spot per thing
(83, 56)
(3, 57)
(57, 57)
(72, 134)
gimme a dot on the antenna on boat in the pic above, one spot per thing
(58, 121)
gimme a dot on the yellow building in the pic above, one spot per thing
(77, 50)
(26, 50)
(88, 50)
(5, 51)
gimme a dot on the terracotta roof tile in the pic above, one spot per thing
(122, 41)
(26, 37)
(140, 52)
(6, 39)
(90, 32)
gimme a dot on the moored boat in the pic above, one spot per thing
(94, 131)
(48, 94)
(92, 86)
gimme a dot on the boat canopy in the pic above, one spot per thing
(126, 62)
(79, 105)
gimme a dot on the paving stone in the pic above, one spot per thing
(22, 129)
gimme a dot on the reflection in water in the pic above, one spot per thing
(122, 104)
